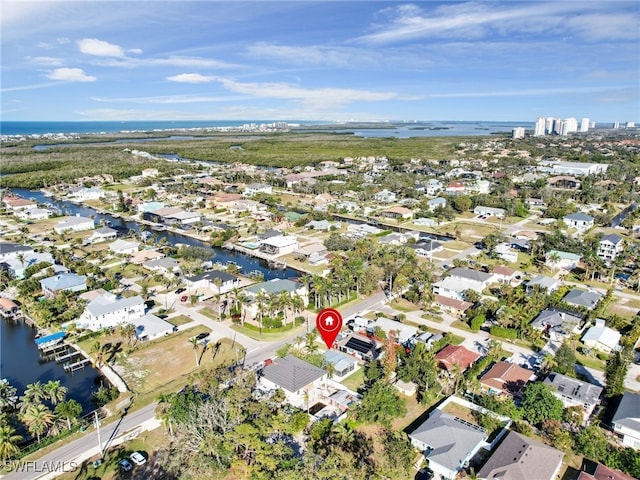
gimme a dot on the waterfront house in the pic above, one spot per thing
(35, 214)
(280, 245)
(124, 247)
(18, 204)
(426, 249)
(69, 282)
(150, 327)
(8, 308)
(522, 458)
(103, 234)
(109, 311)
(74, 224)
(216, 281)
(397, 213)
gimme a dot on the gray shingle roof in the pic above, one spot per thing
(582, 298)
(573, 388)
(469, 273)
(276, 285)
(450, 438)
(556, 318)
(613, 238)
(212, 275)
(628, 412)
(579, 216)
(62, 281)
(291, 373)
(521, 458)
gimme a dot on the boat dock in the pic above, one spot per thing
(270, 259)
(46, 343)
(67, 355)
(72, 367)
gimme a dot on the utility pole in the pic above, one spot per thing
(97, 422)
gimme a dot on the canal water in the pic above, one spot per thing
(20, 361)
(20, 364)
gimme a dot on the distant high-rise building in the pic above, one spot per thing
(584, 125)
(549, 124)
(567, 126)
(540, 128)
(616, 124)
(517, 132)
(592, 125)
(631, 125)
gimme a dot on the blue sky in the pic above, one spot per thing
(330, 60)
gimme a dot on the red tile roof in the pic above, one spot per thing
(453, 303)
(505, 376)
(452, 355)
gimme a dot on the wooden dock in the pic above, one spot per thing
(68, 355)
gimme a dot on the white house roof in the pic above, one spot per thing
(603, 335)
(280, 241)
(151, 326)
(108, 303)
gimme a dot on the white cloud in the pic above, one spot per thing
(190, 78)
(313, 98)
(172, 61)
(100, 48)
(168, 99)
(70, 75)
(309, 55)
(45, 61)
(475, 20)
(521, 93)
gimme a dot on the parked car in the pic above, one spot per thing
(180, 290)
(184, 298)
(125, 465)
(138, 458)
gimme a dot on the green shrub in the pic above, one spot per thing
(508, 333)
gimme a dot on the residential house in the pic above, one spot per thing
(506, 275)
(626, 420)
(109, 311)
(461, 279)
(489, 211)
(397, 213)
(84, 193)
(435, 203)
(610, 247)
(427, 249)
(138, 258)
(172, 216)
(522, 458)
(601, 337)
(505, 378)
(299, 380)
(448, 442)
(149, 206)
(359, 346)
(17, 265)
(69, 282)
(217, 281)
(343, 365)
(150, 327)
(362, 229)
(433, 186)
(277, 286)
(102, 234)
(572, 168)
(13, 250)
(395, 238)
(280, 245)
(35, 214)
(402, 332)
(563, 182)
(557, 324)
(18, 204)
(453, 356)
(384, 196)
(503, 250)
(124, 247)
(558, 260)
(452, 305)
(580, 221)
(322, 225)
(74, 224)
(583, 298)
(9, 309)
(598, 471)
(256, 188)
(425, 222)
(165, 266)
(574, 393)
(548, 284)
(535, 202)
(456, 188)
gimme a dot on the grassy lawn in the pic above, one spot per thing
(267, 335)
(461, 325)
(355, 380)
(457, 245)
(414, 410)
(590, 361)
(179, 320)
(403, 305)
(209, 312)
(166, 363)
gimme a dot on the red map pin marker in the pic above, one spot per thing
(329, 324)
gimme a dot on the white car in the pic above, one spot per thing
(138, 458)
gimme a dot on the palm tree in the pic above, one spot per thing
(8, 442)
(310, 342)
(34, 394)
(69, 410)
(8, 397)
(96, 349)
(55, 392)
(128, 330)
(194, 341)
(37, 418)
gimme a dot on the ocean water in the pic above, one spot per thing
(400, 129)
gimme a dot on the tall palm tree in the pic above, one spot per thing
(8, 442)
(34, 393)
(38, 418)
(55, 392)
(194, 341)
(8, 397)
(96, 349)
(310, 342)
(128, 330)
